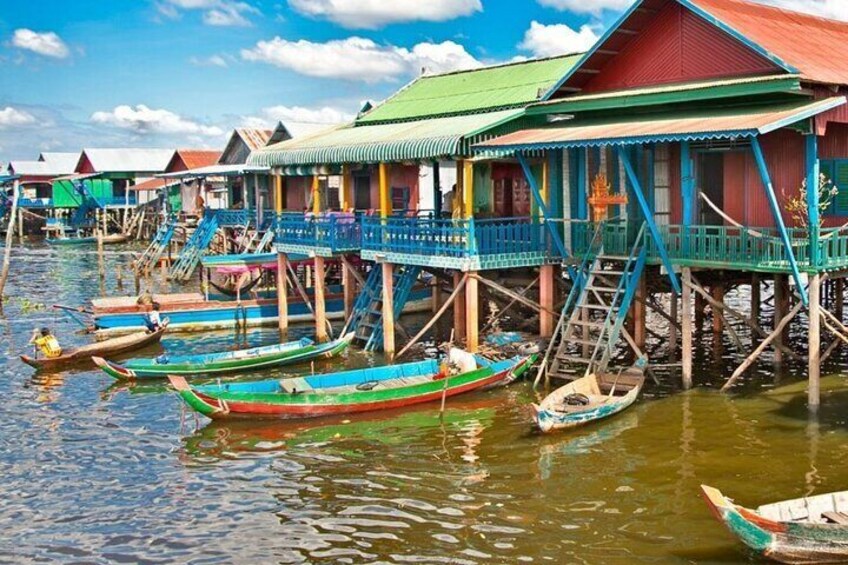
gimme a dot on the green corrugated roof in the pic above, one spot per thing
(481, 90)
(400, 141)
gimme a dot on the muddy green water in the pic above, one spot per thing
(93, 473)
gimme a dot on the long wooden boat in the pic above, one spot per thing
(225, 362)
(349, 392)
(107, 240)
(191, 312)
(592, 398)
(805, 530)
(115, 346)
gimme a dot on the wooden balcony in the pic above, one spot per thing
(322, 236)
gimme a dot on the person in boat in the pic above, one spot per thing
(46, 343)
(153, 320)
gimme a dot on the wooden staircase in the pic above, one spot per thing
(366, 321)
(158, 246)
(594, 314)
(195, 248)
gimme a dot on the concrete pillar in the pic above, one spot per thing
(320, 301)
(282, 295)
(814, 366)
(547, 285)
(388, 311)
(472, 315)
(459, 309)
(686, 327)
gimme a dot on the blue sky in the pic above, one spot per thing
(182, 73)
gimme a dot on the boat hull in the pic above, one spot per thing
(305, 406)
(217, 316)
(549, 421)
(83, 355)
(785, 542)
(131, 371)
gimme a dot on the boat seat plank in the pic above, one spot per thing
(836, 517)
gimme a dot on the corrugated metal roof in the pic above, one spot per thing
(195, 158)
(816, 46)
(39, 169)
(215, 170)
(154, 184)
(129, 160)
(693, 126)
(66, 162)
(254, 138)
(402, 141)
(503, 86)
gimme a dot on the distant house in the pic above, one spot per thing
(182, 192)
(37, 177)
(108, 173)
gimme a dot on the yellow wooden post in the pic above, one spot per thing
(346, 190)
(388, 310)
(278, 193)
(546, 185)
(316, 195)
(468, 189)
(320, 301)
(385, 196)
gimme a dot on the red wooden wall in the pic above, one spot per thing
(678, 46)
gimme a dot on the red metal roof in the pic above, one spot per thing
(196, 158)
(704, 124)
(816, 46)
(154, 184)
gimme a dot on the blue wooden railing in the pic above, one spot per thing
(337, 233)
(35, 202)
(455, 238)
(232, 218)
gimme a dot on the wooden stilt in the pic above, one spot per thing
(672, 328)
(320, 302)
(756, 298)
(101, 261)
(348, 288)
(686, 349)
(20, 218)
(640, 336)
(451, 299)
(282, 296)
(814, 363)
(459, 310)
(781, 306)
(718, 319)
(839, 285)
(388, 310)
(436, 289)
(10, 232)
(700, 310)
(546, 299)
(472, 314)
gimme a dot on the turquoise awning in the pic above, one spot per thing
(428, 139)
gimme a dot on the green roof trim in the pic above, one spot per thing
(511, 85)
(671, 94)
(437, 138)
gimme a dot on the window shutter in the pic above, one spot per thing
(840, 179)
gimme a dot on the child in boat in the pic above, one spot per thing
(46, 342)
(153, 321)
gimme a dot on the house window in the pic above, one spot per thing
(836, 171)
(400, 199)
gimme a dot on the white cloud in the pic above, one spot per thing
(834, 9)
(11, 117)
(212, 61)
(360, 59)
(557, 39)
(47, 43)
(215, 12)
(371, 14)
(145, 120)
(594, 7)
(299, 120)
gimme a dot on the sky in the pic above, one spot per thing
(183, 73)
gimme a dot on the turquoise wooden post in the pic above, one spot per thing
(778, 219)
(537, 196)
(649, 217)
(813, 199)
(687, 190)
(582, 183)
